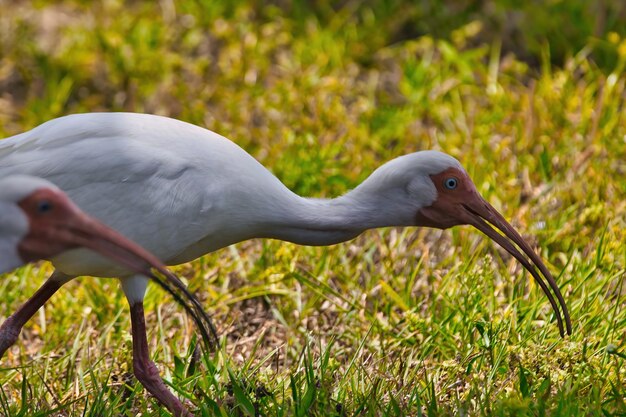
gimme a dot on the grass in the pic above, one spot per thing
(395, 322)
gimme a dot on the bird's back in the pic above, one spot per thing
(166, 184)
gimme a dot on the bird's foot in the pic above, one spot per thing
(148, 374)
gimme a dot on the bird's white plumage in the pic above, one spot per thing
(181, 191)
(14, 188)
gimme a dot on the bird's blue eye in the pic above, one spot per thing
(44, 206)
(451, 183)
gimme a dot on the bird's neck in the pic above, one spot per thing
(316, 221)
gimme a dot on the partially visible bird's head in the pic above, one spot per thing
(40, 221)
(14, 221)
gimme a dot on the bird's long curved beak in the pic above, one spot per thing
(477, 212)
(82, 230)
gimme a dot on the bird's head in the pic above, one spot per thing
(435, 191)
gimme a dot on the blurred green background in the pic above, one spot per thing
(529, 96)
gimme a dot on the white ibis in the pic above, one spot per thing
(38, 221)
(182, 191)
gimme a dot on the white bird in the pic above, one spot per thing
(38, 221)
(182, 191)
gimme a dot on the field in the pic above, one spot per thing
(397, 322)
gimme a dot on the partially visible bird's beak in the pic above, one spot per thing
(83, 231)
(89, 233)
(477, 212)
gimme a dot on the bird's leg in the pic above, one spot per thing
(11, 328)
(145, 370)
